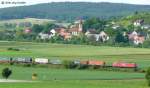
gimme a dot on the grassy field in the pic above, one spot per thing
(80, 84)
(25, 73)
(32, 20)
(61, 51)
(64, 78)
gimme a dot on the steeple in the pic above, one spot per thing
(80, 26)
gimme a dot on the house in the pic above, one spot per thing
(53, 32)
(139, 40)
(63, 32)
(136, 38)
(138, 22)
(146, 26)
(44, 36)
(115, 27)
(27, 30)
(91, 31)
(76, 29)
(93, 37)
(102, 36)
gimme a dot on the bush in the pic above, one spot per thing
(146, 44)
(147, 76)
(34, 76)
(6, 72)
(81, 66)
(13, 49)
(69, 64)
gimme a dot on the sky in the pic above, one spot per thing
(4, 3)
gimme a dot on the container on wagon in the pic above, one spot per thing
(84, 62)
(77, 62)
(24, 60)
(4, 59)
(41, 60)
(96, 63)
(55, 62)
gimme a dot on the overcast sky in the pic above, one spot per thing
(30, 2)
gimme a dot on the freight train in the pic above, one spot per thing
(118, 64)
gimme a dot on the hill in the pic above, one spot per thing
(71, 10)
(128, 20)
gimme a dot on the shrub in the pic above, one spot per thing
(69, 64)
(34, 76)
(147, 76)
(81, 66)
(6, 72)
(10, 48)
(13, 49)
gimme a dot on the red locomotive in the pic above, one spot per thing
(124, 65)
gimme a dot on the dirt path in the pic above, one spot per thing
(11, 80)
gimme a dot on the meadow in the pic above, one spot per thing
(79, 84)
(72, 52)
(66, 78)
(25, 73)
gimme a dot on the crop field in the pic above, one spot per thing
(66, 78)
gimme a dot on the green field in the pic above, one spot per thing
(71, 52)
(79, 84)
(32, 20)
(65, 78)
(25, 73)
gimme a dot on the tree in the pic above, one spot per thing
(120, 38)
(94, 23)
(136, 12)
(147, 76)
(6, 72)
(48, 27)
(146, 44)
(37, 28)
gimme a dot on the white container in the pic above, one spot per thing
(41, 60)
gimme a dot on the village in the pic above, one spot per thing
(76, 29)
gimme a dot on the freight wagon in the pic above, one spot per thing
(55, 62)
(41, 60)
(92, 63)
(23, 60)
(4, 60)
(96, 63)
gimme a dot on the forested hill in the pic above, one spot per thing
(71, 10)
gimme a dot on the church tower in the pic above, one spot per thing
(80, 26)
